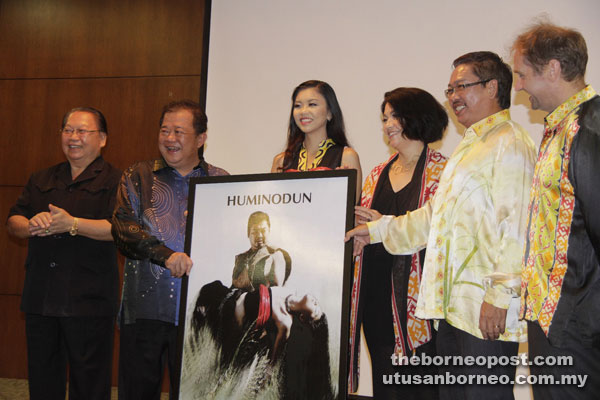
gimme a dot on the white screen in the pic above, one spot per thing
(261, 49)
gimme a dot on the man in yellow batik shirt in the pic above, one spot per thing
(473, 228)
(561, 273)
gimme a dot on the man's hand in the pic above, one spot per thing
(50, 223)
(39, 224)
(492, 321)
(62, 221)
(361, 238)
(179, 264)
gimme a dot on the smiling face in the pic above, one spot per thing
(532, 82)
(474, 102)
(178, 142)
(311, 112)
(392, 126)
(84, 147)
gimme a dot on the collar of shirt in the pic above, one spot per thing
(90, 172)
(481, 127)
(565, 108)
(160, 163)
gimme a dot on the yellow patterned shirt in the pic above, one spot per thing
(561, 256)
(474, 228)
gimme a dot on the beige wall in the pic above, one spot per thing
(260, 50)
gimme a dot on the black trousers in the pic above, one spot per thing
(455, 342)
(145, 347)
(385, 374)
(84, 343)
(586, 361)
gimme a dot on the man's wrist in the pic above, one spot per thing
(160, 254)
(74, 227)
(497, 298)
(376, 226)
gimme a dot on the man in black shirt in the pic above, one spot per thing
(70, 296)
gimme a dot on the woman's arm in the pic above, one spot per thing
(277, 163)
(350, 160)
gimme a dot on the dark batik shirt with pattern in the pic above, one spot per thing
(148, 226)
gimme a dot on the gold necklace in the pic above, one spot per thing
(398, 167)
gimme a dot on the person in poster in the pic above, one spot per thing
(259, 330)
(258, 320)
(261, 264)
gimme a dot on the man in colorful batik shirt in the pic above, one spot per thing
(560, 292)
(473, 228)
(149, 228)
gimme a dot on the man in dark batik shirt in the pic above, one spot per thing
(560, 290)
(149, 229)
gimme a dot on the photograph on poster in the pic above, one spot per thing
(264, 310)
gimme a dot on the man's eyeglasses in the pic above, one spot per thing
(459, 88)
(166, 132)
(80, 132)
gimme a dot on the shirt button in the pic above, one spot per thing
(52, 264)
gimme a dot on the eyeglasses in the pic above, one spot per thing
(459, 88)
(80, 132)
(167, 132)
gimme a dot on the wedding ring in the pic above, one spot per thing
(47, 230)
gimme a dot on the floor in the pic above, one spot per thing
(16, 389)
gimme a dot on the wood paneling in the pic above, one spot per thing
(34, 112)
(74, 38)
(126, 58)
(13, 351)
(14, 251)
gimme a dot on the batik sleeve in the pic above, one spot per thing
(129, 232)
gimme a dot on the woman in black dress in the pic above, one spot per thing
(385, 287)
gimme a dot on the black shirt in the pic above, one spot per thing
(71, 275)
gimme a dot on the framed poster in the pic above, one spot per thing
(264, 312)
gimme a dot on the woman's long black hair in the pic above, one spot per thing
(335, 126)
